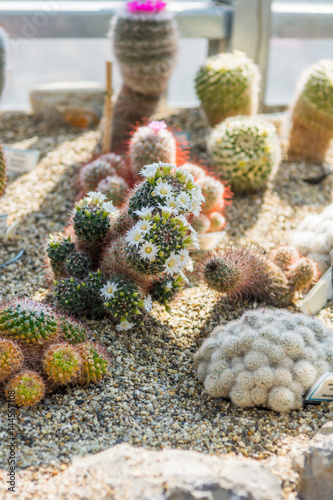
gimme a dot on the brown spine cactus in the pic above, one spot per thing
(3, 176)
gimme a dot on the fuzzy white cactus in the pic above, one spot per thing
(314, 237)
(266, 358)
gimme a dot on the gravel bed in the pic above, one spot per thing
(152, 397)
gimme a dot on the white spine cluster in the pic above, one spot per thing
(314, 237)
(266, 358)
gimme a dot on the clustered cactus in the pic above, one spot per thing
(314, 237)
(41, 351)
(244, 151)
(216, 195)
(151, 143)
(3, 174)
(312, 114)
(244, 271)
(267, 358)
(3, 58)
(145, 41)
(228, 85)
(115, 262)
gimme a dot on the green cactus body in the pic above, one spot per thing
(3, 60)
(228, 85)
(91, 223)
(27, 387)
(312, 114)
(27, 322)
(94, 363)
(11, 358)
(77, 265)
(72, 331)
(62, 363)
(165, 289)
(244, 152)
(150, 144)
(266, 358)
(3, 174)
(58, 248)
(114, 188)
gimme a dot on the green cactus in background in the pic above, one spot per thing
(3, 174)
(3, 60)
(312, 114)
(146, 46)
(228, 85)
(114, 188)
(244, 151)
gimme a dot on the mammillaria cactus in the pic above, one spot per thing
(266, 358)
(41, 350)
(244, 151)
(3, 176)
(145, 41)
(312, 114)
(314, 237)
(151, 143)
(228, 85)
(141, 255)
(3, 59)
(114, 188)
(244, 271)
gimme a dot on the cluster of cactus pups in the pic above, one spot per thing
(41, 351)
(115, 262)
(245, 272)
(267, 358)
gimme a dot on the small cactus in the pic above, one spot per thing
(91, 217)
(150, 144)
(114, 188)
(267, 358)
(72, 331)
(312, 114)
(58, 247)
(3, 174)
(246, 272)
(244, 152)
(11, 358)
(201, 224)
(94, 363)
(217, 221)
(62, 363)
(228, 85)
(3, 61)
(92, 173)
(77, 265)
(213, 191)
(27, 388)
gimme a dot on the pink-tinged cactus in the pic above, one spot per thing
(147, 6)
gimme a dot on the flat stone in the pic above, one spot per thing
(128, 473)
(316, 477)
(78, 104)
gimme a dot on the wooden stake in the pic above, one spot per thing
(108, 111)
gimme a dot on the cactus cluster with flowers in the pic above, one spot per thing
(228, 84)
(116, 262)
(266, 358)
(245, 272)
(41, 351)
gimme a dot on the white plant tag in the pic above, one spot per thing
(322, 390)
(20, 161)
(3, 224)
(317, 297)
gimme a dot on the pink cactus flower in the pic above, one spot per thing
(157, 126)
(149, 6)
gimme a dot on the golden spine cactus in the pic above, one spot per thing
(94, 363)
(27, 388)
(11, 358)
(312, 114)
(244, 151)
(3, 175)
(228, 85)
(62, 363)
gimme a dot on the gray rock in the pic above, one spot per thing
(128, 473)
(316, 478)
(78, 104)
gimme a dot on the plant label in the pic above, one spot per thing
(20, 161)
(322, 390)
(317, 297)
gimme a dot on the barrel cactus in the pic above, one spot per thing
(145, 41)
(3, 176)
(268, 358)
(228, 85)
(312, 114)
(244, 151)
(3, 59)
(244, 271)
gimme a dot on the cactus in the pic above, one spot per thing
(246, 272)
(312, 114)
(72, 331)
(217, 221)
(314, 237)
(3, 60)
(163, 290)
(145, 44)
(267, 358)
(228, 85)
(58, 248)
(91, 174)
(201, 224)
(145, 242)
(213, 191)
(62, 363)
(3, 174)
(120, 165)
(152, 143)
(114, 188)
(11, 358)
(27, 388)
(94, 362)
(244, 152)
